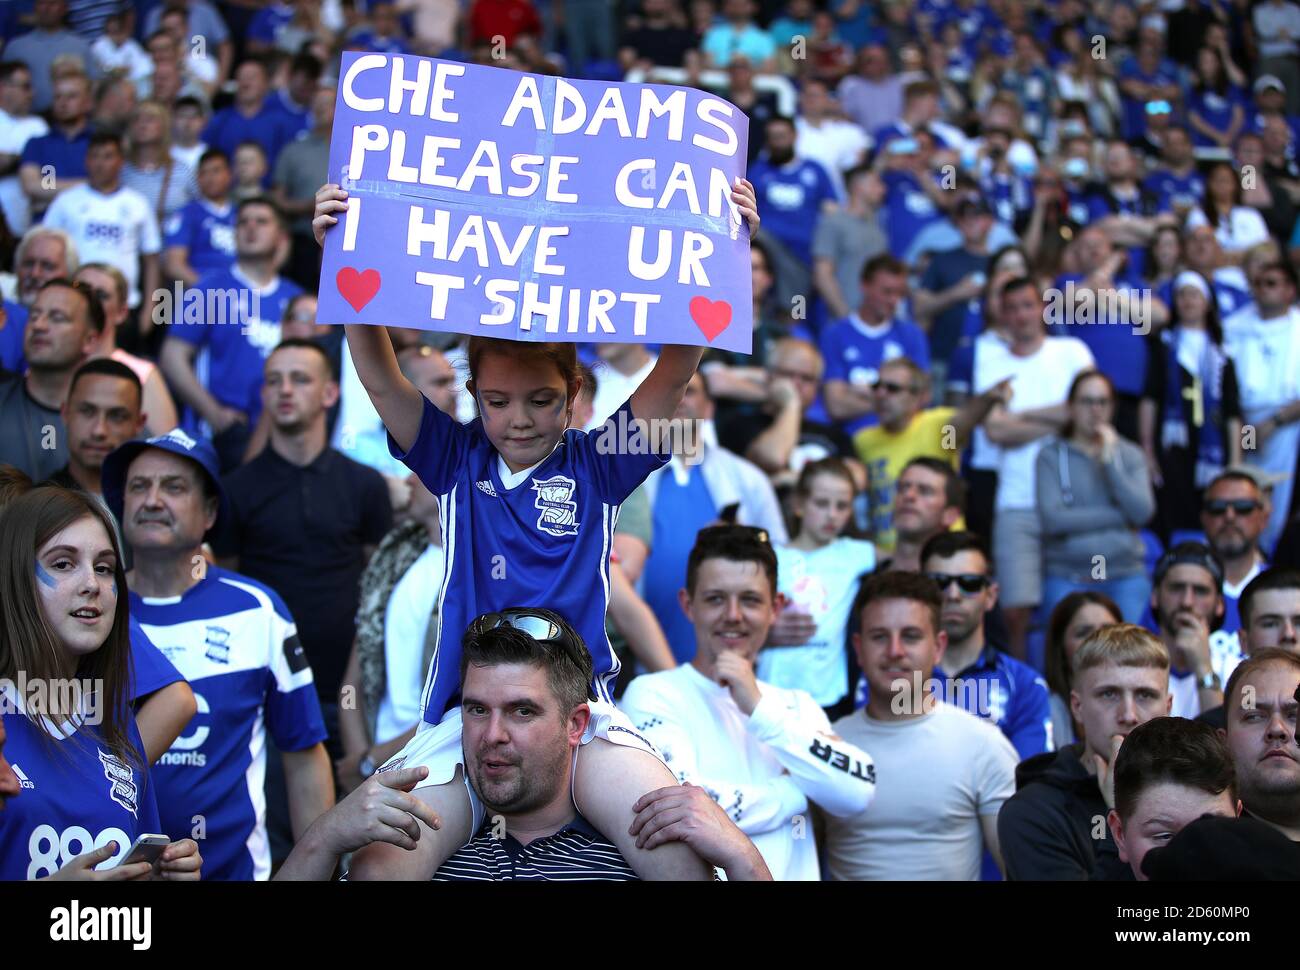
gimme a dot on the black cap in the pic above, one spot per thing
(1190, 554)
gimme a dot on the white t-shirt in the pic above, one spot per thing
(130, 57)
(1266, 354)
(613, 388)
(1039, 380)
(189, 156)
(359, 431)
(763, 769)
(991, 353)
(1243, 228)
(938, 776)
(115, 229)
(836, 146)
(823, 584)
(406, 623)
(14, 135)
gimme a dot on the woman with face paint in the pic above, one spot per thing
(84, 793)
(529, 505)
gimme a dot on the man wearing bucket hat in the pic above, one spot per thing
(235, 642)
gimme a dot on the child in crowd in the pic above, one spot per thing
(819, 572)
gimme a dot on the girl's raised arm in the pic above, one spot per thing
(661, 392)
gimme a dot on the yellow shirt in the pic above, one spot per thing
(930, 435)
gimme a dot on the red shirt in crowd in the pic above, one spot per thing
(505, 18)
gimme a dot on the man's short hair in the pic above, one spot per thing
(48, 232)
(895, 584)
(268, 202)
(1122, 644)
(94, 309)
(1269, 579)
(954, 489)
(308, 64)
(1019, 283)
(883, 263)
(104, 138)
(1236, 475)
(213, 154)
(1172, 750)
(304, 343)
(1256, 661)
(919, 89)
(945, 545)
(108, 367)
(734, 543)
(567, 661)
(918, 376)
(9, 68)
(190, 101)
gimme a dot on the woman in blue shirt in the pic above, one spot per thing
(65, 670)
(1214, 105)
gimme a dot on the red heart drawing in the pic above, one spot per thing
(357, 288)
(712, 317)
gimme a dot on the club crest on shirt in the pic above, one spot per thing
(121, 781)
(218, 647)
(555, 501)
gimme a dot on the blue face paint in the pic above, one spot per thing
(44, 576)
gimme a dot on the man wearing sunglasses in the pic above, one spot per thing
(525, 676)
(973, 673)
(1263, 340)
(1234, 514)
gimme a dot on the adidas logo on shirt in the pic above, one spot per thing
(486, 488)
(23, 780)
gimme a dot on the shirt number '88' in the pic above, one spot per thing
(51, 850)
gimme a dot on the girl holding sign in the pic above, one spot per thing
(529, 506)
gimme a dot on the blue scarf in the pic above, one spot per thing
(1180, 412)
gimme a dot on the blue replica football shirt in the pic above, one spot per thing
(76, 795)
(236, 644)
(235, 324)
(854, 351)
(545, 542)
(11, 338)
(150, 670)
(1175, 191)
(791, 197)
(207, 231)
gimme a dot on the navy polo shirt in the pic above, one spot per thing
(67, 155)
(303, 531)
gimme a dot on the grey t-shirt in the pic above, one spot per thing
(936, 776)
(848, 241)
(300, 171)
(32, 437)
(38, 50)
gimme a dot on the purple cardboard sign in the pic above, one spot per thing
(490, 202)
